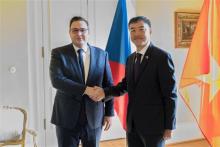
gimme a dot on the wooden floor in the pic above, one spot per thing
(121, 143)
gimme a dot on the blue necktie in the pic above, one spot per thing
(82, 115)
(137, 66)
(80, 51)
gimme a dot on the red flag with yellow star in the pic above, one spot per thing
(200, 81)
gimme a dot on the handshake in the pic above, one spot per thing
(95, 93)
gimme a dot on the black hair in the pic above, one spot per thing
(140, 18)
(78, 18)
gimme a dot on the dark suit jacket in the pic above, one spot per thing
(67, 79)
(152, 99)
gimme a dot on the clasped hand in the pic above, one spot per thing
(95, 93)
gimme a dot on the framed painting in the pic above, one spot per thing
(185, 25)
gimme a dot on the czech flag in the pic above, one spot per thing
(118, 48)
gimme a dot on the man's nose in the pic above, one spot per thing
(137, 34)
(79, 32)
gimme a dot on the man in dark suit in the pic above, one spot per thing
(74, 69)
(150, 83)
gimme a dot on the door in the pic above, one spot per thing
(57, 14)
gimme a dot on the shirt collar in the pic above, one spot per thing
(85, 48)
(144, 49)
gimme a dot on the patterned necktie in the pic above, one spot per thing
(137, 66)
(80, 51)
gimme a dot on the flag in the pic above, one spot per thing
(118, 48)
(200, 80)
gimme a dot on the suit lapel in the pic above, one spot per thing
(74, 62)
(145, 61)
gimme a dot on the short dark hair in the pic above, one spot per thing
(140, 18)
(78, 18)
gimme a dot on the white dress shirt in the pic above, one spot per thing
(86, 59)
(143, 51)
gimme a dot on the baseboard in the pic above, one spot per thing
(185, 131)
(186, 141)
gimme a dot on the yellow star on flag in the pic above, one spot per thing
(212, 78)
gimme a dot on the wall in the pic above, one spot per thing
(14, 65)
(1, 51)
(161, 14)
(19, 72)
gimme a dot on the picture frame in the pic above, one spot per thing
(185, 25)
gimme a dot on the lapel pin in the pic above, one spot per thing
(146, 57)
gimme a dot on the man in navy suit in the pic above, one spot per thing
(150, 83)
(74, 69)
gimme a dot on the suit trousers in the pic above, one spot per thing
(137, 139)
(71, 138)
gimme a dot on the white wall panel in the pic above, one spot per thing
(14, 63)
(1, 51)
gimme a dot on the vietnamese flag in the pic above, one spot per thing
(200, 81)
(118, 48)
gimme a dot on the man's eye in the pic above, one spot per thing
(75, 31)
